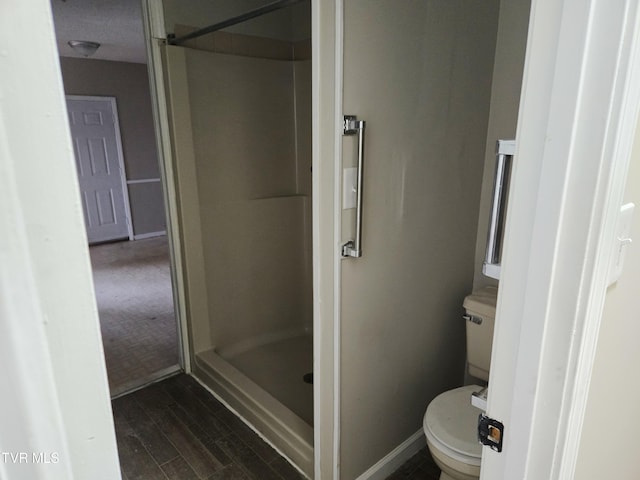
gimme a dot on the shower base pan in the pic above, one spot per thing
(262, 379)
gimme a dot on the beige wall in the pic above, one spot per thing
(609, 443)
(421, 78)
(129, 83)
(503, 117)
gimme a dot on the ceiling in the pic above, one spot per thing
(115, 24)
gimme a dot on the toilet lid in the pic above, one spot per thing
(453, 421)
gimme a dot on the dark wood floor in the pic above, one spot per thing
(175, 430)
(419, 467)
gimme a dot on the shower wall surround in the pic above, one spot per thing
(241, 126)
(252, 203)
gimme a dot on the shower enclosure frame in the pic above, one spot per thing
(257, 408)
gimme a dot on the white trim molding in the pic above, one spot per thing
(337, 235)
(616, 157)
(155, 35)
(326, 20)
(395, 458)
(143, 180)
(142, 236)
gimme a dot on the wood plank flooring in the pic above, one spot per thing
(419, 467)
(175, 430)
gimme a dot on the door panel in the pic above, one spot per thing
(99, 164)
(420, 76)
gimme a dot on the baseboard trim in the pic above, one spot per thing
(142, 236)
(143, 180)
(396, 457)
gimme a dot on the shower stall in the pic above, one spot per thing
(240, 109)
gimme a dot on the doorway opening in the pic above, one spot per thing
(132, 281)
(111, 123)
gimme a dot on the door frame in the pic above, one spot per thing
(558, 244)
(121, 166)
(327, 66)
(155, 36)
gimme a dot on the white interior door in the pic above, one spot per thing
(100, 166)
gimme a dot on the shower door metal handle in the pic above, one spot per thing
(353, 126)
(504, 153)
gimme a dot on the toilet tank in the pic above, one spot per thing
(480, 316)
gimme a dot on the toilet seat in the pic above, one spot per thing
(450, 424)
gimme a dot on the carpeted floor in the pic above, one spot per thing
(133, 290)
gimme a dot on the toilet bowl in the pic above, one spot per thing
(451, 421)
(450, 425)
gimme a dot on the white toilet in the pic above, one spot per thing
(451, 421)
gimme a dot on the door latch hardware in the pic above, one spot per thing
(490, 432)
(350, 125)
(473, 319)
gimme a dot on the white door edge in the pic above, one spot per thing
(337, 234)
(326, 277)
(33, 399)
(51, 344)
(619, 147)
(556, 256)
(121, 167)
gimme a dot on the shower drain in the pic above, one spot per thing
(308, 378)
